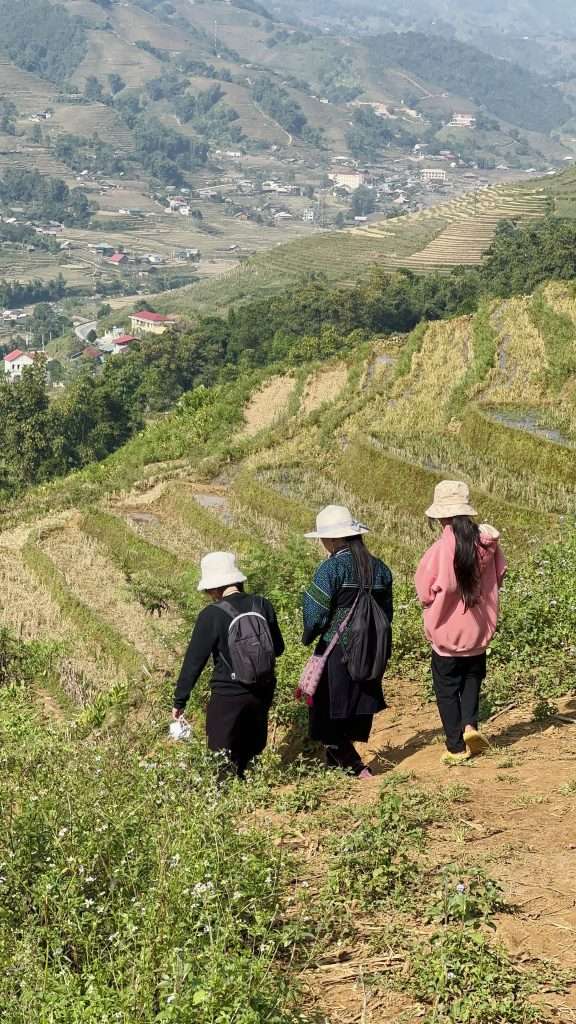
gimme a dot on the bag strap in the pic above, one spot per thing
(257, 609)
(341, 628)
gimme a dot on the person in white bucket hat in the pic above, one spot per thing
(240, 632)
(338, 605)
(458, 583)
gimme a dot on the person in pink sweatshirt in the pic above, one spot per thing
(458, 584)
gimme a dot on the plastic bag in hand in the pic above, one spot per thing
(180, 729)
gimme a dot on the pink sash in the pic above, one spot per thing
(314, 667)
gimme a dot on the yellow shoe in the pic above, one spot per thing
(453, 759)
(475, 742)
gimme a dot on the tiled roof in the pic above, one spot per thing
(152, 318)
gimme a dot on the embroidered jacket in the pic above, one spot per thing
(333, 591)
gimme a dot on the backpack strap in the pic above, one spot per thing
(233, 612)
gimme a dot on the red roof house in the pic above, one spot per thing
(118, 258)
(151, 323)
(122, 344)
(13, 355)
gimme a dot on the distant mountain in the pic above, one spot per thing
(512, 93)
(519, 17)
(530, 32)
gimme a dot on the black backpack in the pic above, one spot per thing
(252, 657)
(368, 639)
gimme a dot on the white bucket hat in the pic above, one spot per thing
(336, 521)
(451, 498)
(219, 569)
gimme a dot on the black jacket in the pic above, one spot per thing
(210, 637)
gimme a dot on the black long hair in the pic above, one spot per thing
(466, 561)
(362, 560)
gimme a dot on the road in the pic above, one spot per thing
(83, 330)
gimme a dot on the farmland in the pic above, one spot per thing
(456, 233)
(246, 467)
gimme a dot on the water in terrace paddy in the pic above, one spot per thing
(529, 423)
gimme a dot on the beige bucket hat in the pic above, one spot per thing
(451, 498)
(336, 521)
(219, 569)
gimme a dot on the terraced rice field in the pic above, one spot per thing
(450, 234)
(470, 228)
(92, 119)
(28, 92)
(109, 53)
(268, 405)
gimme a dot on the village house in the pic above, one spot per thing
(350, 180)
(150, 323)
(16, 362)
(122, 344)
(462, 121)
(119, 259)
(436, 174)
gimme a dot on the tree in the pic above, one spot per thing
(363, 201)
(116, 83)
(93, 89)
(25, 427)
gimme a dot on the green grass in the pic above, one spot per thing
(134, 556)
(485, 348)
(559, 335)
(521, 451)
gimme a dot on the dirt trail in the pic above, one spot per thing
(517, 819)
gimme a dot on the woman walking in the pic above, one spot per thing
(241, 633)
(343, 705)
(458, 583)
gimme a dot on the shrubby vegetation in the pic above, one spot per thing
(42, 37)
(45, 197)
(277, 102)
(81, 153)
(164, 152)
(369, 134)
(21, 293)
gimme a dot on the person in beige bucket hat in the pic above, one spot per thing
(240, 633)
(458, 583)
(342, 707)
(451, 498)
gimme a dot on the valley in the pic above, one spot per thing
(256, 259)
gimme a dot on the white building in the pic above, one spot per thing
(436, 174)
(348, 179)
(309, 215)
(16, 362)
(462, 121)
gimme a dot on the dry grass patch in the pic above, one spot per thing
(324, 387)
(98, 583)
(29, 611)
(167, 531)
(267, 405)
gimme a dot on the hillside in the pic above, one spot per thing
(131, 885)
(528, 32)
(147, 147)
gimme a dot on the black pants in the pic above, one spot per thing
(457, 683)
(237, 727)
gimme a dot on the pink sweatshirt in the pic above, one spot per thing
(451, 629)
